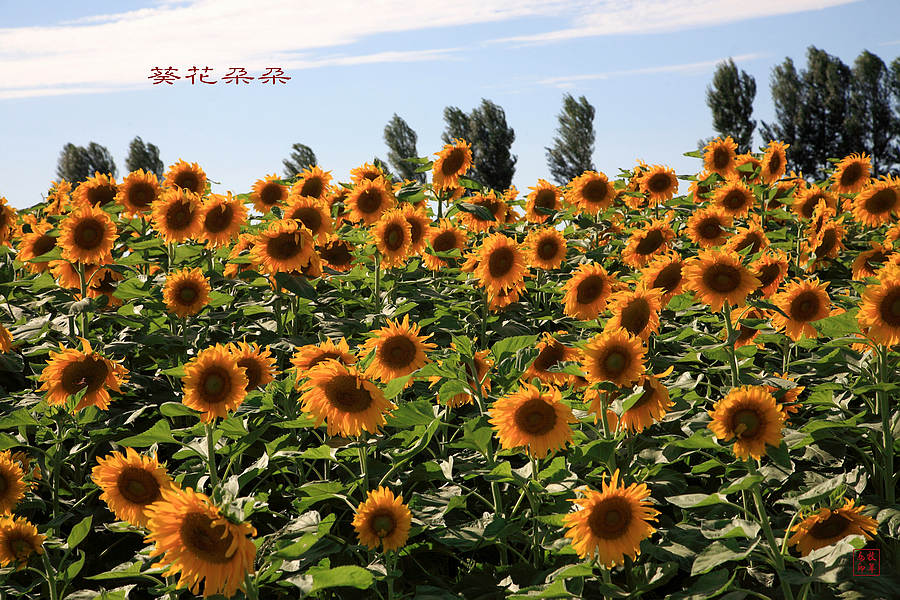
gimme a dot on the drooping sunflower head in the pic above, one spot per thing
(611, 523)
(337, 253)
(268, 193)
(851, 174)
(774, 162)
(130, 483)
(186, 292)
(651, 406)
(195, 539)
(241, 247)
(186, 176)
(874, 205)
(637, 311)
(35, 243)
(880, 308)
(19, 539)
(99, 190)
(544, 195)
(826, 244)
(12, 483)
(587, 291)
(70, 371)
(399, 350)
(392, 236)
(551, 354)
(734, 198)
(709, 227)
(87, 236)
(750, 415)
(308, 356)
(213, 383)
(284, 246)
(748, 168)
(647, 242)
(546, 248)
(444, 237)
(105, 282)
(6, 339)
(137, 192)
(703, 186)
(452, 162)
(501, 263)
(805, 200)
(590, 192)
(719, 277)
(347, 401)
(867, 263)
(258, 363)
(418, 227)
(614, 355)
(311, 213)
(771, 268)
(58, 197)
(665, 273)
(803, 301)
(828, 526)
(382, 520)
(221, 219)
(719, 155)
(752, 236)
(313, 183)
(494, 204)
(660, 184)
(369, 200)
(367, 172)
(746, 334)
(533, 417)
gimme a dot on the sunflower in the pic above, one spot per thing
(58, 197)
(244, 243)
(551, 352)
(176, 215)
(479, 378)
(544, 195)
(659, 184)
(313, 183)
(874, 204)
(213, 383)
(221, 219)
(267, 193)
(868, 262)
(66, 274)
(501, 264)
(829, 526)
(12, 483)
(774, 162)
(34, 244)
(382, 520)
(399, 350)
(771, 268)
(257, 363)
(546, 248)
(70, 371)
(709, 227)
(587, 291)
(104, 282)
(337, 253)
(19, 539)
(186, 292)
(651, 407)
(534, 418)
(130, 483)
(418, 227)
(746, 334)
(826, 244)
(614, 355)
(805, 200)
(6, 339)
(734, 198)
(98, 191)
(367, 172)
(186, 176)
(308, 356)
(503, 298)
(637, 174)
(194, 538)
(284, 246)
(749, 414)
(612, 522)
(787, 399)
(590, 192)
(879, 308)
(647, 242)
(451, 164)
(336, 199)
(392, 236)
(495, 205)
(719, 155)
(851, 174)
(803, 302)
(718, 277)
(347, 401)
(702, 186)
(311, 213)
(637, 312)
(753, 175)
(369, 200)
(87, 236)
(665, 273)
(137, 192)
(752, 236)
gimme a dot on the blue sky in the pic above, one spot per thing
(78, 72)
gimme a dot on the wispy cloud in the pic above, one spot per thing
(694, 68)
(618, 17)
(111, 51)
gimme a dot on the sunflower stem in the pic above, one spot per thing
(729, 343)
(51, 575)
(83, 316)
(170, 254)
(211, 455)
(603, 404)
(767, 529)
(377, 282)
(885, 409)
(484, 318)
(535, 510)
(363, 464)
(250, 587)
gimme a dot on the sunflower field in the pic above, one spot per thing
(648, 386)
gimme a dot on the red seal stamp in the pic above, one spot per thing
(867, 563)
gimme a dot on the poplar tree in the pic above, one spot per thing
(573, 146)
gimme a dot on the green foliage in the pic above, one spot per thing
(570, 155)
(302, 157)
(77, 163)
(730, 98)
(401, 141)
(144, 156)
(491, 139)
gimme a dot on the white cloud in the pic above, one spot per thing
(568, 81)
(617, 17)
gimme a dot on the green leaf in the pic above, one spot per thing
(160, 432)
(395, 386)
(837, 326)
(696, 500)
(176, 409)
(744, 483)
(79, 532)
(411, 414)
(718, 553)
(345, 576)
(479, 211)
(19, 418)
(512, 345)
(54, 254)
(451, 388)
(217, 299)
(119, 572)
(132, 288)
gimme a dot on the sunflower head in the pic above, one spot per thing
(98, 191)
(590, 192)
(347, 401)
(337, 253)
(636, 311)
(284, 246)
(875, 204)
(392, 235)
(734, 198)
(186, 176)
(546, 248)
(545, 196)
(615, 356)
(258, 363)
(880, 308)
(36, 242)
(501, 264)
(659, 184)
(418, 227)
(828, 526)
(19, 539)
(213, 383)
(382, 520)
(87, 236)
(771, 268)
(551, 354)
(719, 277)
(130, 483)
(369, 200)
(494, 204)
(806, 200)
(71, 371)
(774, 162)
(313, 183)
(533, 417)
(176, 215)
(307, 357)
(186, 292)
(802, 302)
(587, 291)
(719, 155)
(137, 192)
(752, 237)
(367, 172)
(221, 219)
(851, 174)
(268, 193)
(651, 406)
(709, 227)
(399, 350)
(312, 213)
(12, 483)
(750, 415)
(444, 237)
(665, 274)
(452, 162)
